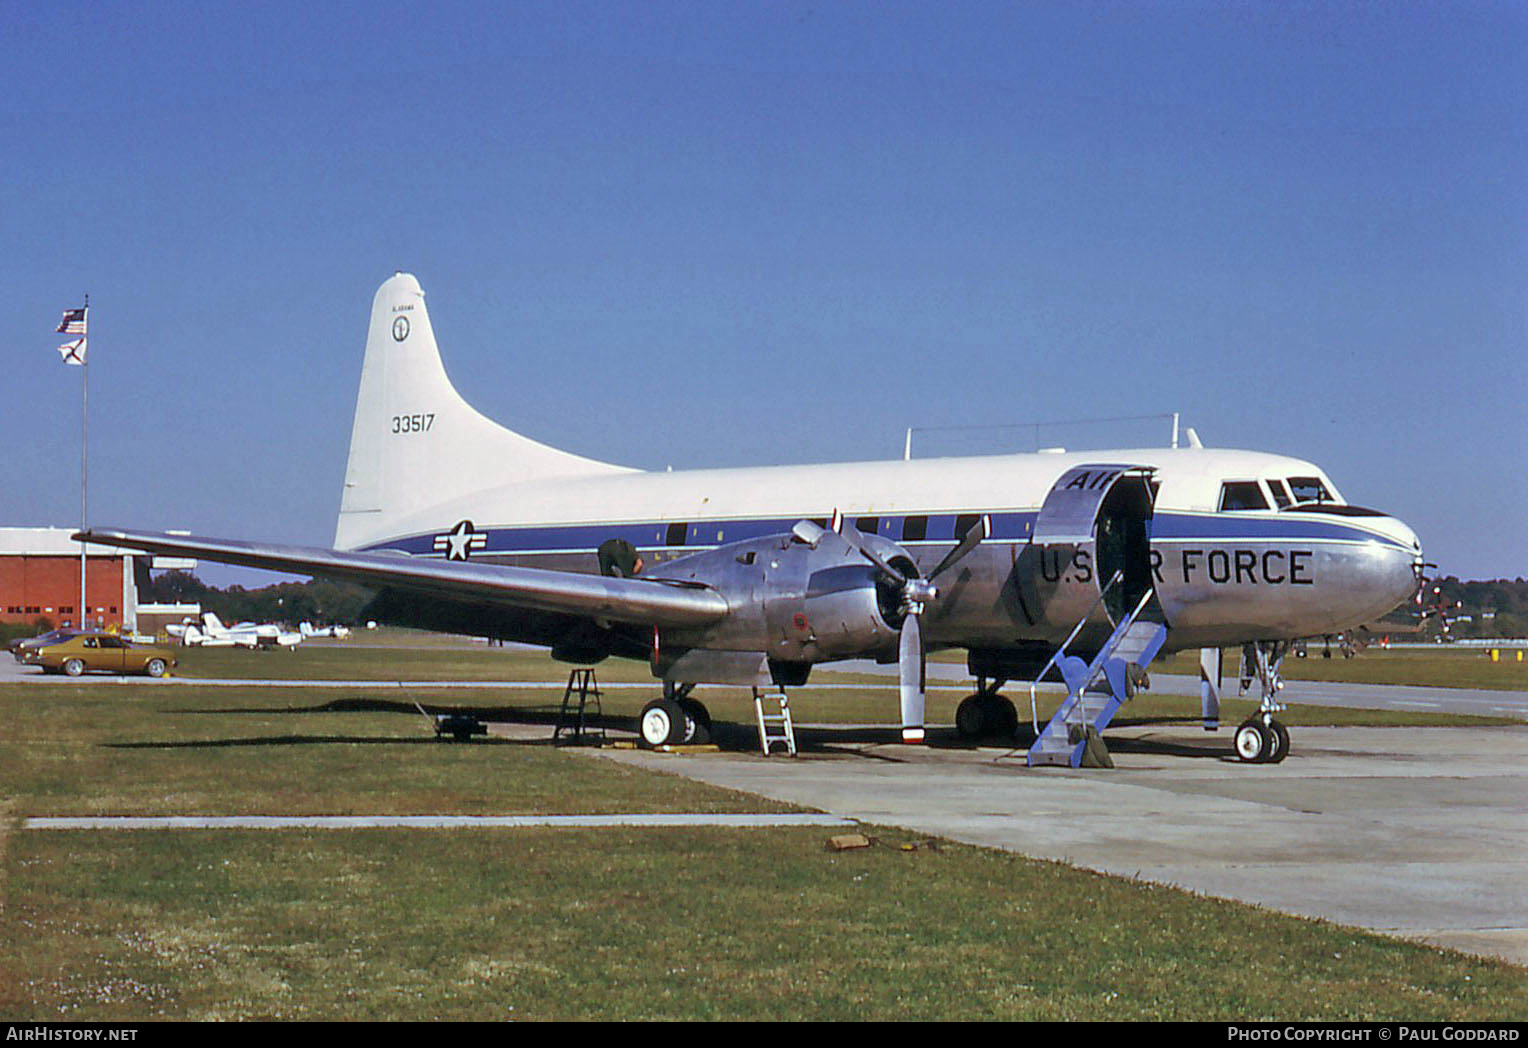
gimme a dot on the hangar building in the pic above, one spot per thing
(40, 579)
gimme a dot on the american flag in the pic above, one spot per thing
(73, 322)
(73, 352)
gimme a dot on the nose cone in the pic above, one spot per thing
(1392, 566)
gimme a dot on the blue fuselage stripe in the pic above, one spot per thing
(1012, 526)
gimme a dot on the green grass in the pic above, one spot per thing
(139, 749)
(702, 924)
(668, 923)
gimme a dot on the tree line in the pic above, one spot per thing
(319, 601)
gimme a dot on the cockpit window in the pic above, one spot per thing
(1240, 495)
(1309, 489)
(1280, 493)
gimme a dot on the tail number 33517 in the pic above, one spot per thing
(420, 423)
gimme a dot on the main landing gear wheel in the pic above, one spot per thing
(661, 723)
(985, 714)
(697, 722)
(1262, 741)
(674, 722)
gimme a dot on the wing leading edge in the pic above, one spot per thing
(644, 601)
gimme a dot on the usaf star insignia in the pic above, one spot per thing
(461, 541)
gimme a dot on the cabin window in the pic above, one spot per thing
(964, 523)
(1309, 489)
(675, 536)
(1241, 495)
(914, 529)
(1281, 497)
(870, 524)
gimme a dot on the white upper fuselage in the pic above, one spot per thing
(1191, 480)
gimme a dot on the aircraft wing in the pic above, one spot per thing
(645, 601)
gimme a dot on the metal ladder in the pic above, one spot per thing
(768, 721)
(1095, 690)
(575, 721)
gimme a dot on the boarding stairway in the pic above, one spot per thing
(1096, 690)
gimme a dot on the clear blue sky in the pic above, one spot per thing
(699, 234)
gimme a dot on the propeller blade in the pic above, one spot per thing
(1210, 669)
(845, 527)
(911, 668)
(854, 537)
(973, 537)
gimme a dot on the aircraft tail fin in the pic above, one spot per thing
(415, 442)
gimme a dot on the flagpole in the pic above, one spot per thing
(84, 459)
(77, 322)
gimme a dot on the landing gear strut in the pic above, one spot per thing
(986, 713)
(676, 719)
(1261, 739)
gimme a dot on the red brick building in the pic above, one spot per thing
(40, 579)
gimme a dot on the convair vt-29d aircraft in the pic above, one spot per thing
(1085, 566)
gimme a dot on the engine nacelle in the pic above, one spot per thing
(797, 601)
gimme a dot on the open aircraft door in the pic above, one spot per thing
(1095, 523)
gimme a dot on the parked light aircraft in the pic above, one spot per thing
(209, 632)
(1084, 564)
(307, 629)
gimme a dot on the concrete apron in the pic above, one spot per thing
(1415, 832)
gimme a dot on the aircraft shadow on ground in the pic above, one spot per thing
(486, 714)
(740, 737)
(271, 740)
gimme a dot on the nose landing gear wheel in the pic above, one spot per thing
(1251, 742)
(1281, 742)
(1260, 742)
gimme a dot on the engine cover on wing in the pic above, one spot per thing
(797, 601)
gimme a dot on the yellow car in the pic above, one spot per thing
(105, 652)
